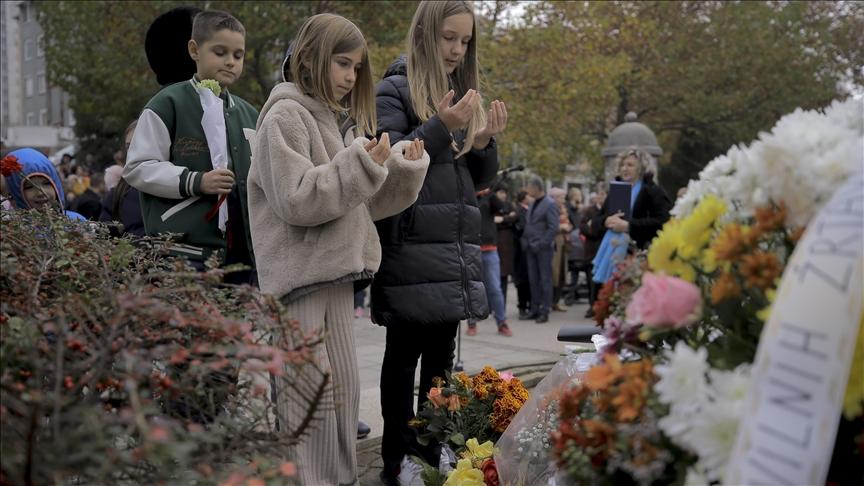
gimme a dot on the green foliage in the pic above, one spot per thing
(702, 75)
(95, 52)
(121, 366)
(713, 72)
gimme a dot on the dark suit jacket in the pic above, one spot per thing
(541, 226)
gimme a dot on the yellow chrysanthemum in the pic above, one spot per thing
(765, 313)
(465, 475)
(696, 229)
(853, 401)
(664, 248)
(709, 261)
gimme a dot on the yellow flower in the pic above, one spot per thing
(853, 401)
(476, 451)
(465, 475)
(765, 313)
(697, 228)
(664, 248)
(709, 261)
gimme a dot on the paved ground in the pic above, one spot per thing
(532, 347)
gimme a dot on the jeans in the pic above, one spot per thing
(492, 282)
(540, 276)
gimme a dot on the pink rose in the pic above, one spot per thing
(436, 397)
(505, 375)
(665, 302)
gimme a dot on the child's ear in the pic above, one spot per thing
(193, 49)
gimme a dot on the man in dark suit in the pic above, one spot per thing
(538, 241)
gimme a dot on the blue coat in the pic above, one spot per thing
(541, 226)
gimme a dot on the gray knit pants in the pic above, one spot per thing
(328, 455)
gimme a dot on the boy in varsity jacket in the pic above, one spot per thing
(189, 157)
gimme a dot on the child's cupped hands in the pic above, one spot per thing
(414, 150)
(496, 122)
(379, 149)
(456, 117)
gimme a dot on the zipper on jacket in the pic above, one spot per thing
(465, 295)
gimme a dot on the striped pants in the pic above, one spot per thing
(327, 456)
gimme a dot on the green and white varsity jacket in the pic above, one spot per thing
(167, 159)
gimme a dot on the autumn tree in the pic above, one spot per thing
(95, 52)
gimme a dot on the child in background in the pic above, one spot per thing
(191, 168)
(33, 181)
(315, 187)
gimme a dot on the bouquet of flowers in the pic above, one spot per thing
(479, 408)
(690, 313)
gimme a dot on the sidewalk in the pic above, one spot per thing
(532, 346)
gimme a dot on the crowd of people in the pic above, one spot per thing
(339, 184)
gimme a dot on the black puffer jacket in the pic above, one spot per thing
(431, 267)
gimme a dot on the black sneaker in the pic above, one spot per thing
(363, 430)
(527, 316)
(589, 313)
(388, 480)
(542, 318)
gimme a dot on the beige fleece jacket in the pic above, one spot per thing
(313, 195)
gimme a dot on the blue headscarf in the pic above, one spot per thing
(34, 163)
(613, 248)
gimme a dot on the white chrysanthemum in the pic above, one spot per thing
(730, 387)
(712, 437)
(695, 478)
(682, 381)
(799, 163)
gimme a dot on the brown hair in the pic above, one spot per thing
(320, 37)
(207, 23)
(427, 79)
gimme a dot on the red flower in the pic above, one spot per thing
(9, 165)
(490, 472)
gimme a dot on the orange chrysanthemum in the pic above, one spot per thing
(464, 379)
(732, 241)
(796, 234)
(770, 218)
(600, 377)
(760, 269)
(725, 287)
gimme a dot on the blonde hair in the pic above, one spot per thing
(320, 37)
(427, 80)
(645, 162)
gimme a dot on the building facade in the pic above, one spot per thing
(34, 113)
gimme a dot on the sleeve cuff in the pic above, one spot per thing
(190, 183)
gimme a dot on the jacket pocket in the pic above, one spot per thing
(173, 210)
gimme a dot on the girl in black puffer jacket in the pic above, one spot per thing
(430, 276)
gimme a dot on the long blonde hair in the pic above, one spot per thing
(427, 79)
(321, 37)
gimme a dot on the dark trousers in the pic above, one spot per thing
(504, 289)
(593, 289)
(434, 346)
(540, 276)
(523, 294)
(360, 299)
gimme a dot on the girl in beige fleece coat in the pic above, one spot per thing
(314, 190)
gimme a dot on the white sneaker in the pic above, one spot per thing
(410, 473)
